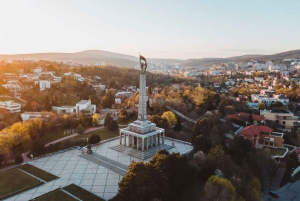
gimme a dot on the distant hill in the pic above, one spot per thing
(85, 57)
(121, 60)
(293, 54)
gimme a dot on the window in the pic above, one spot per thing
(284, 117)
(271, 144)
(277, 121)
(283, 122)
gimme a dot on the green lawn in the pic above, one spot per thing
(81, 193)
(54, 196)
(290, 148)
(14, 181)
(12, 99)
(46, 176)
(54, 135)
(275, 151)
(103, 133)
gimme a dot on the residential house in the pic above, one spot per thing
(10, 106)
(284, 118)
(32, 115)
(244, 117)
(261, 135)
(64, 109)
(86, 107)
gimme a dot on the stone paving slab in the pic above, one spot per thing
(71, 168)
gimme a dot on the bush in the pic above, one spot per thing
(80, 129)
(94, 139)
(38, 146)
(18, 159)
(113, 126)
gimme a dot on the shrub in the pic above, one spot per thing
(94, 139)
(38, 146)
(80, 129)
(113, 126)
(18, 159)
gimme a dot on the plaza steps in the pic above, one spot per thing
(106, 162)
(143, 155)
(118, 147)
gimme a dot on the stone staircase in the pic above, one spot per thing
(106, 162)
(143, 155)
(118, 147)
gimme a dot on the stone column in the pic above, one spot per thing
(137, 143)
(120, 137)
(147, 146)
(125, 139)
(132, 140)
(143, 144)
(159, 138)
(163, 137)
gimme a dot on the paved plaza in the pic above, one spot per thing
(70, 167)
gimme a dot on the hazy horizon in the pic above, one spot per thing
(169, 29)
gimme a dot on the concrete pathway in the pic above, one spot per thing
(278, 178)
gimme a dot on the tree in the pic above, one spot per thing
(250, 120)
(113, 125)
(18, 159)
(142, 182)
(220, 189)
(177, 126)
(216, 153)
(201, 143)
(261, 106)
(159, 121)
(96, 117)
(80, 129)
(93, 139)
(108, 99)
(202, 126)
(107, 119)
(170, 116)
(38, 146)
(176, 169)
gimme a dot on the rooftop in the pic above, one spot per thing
(83, 102)
(255, 130)
(245, 116)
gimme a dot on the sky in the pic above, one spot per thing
(157, 29)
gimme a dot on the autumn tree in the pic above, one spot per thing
(221, 189)
(107, 119)
(142, 182)
(96, 118)
(170, 117)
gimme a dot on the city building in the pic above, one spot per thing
(284, 118)
(32, 115)
(241, 116)
(10, 106)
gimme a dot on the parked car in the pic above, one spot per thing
(273, 194)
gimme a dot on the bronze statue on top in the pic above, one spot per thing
(143, 64)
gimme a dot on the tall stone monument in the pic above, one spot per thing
(142, 134)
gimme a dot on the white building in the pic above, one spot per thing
(65, 109)
(259, 66)
(37, 70)
(11, 106)
(43, 84)
(123, 94)
(98, 86)
(86, 107)
(12, 88)
(32, 115)
(268, 100)
(191, 74)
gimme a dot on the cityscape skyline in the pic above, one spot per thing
(156, 29)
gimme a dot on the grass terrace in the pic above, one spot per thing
(14, 181)
(38, 172)
(81, 193)
(55, 195)
(104, 134)
(275, 151)
(290, 147)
